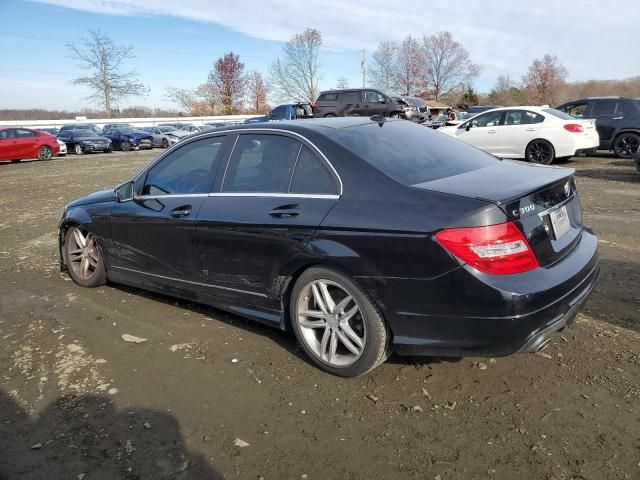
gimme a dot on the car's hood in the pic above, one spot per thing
(447, 130)
(96, 197)
(137, 135)
(179, 133)
(91, 137)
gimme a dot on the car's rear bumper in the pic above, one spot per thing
(467, 313)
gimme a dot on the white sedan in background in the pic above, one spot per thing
(537, 134)
(63, 148)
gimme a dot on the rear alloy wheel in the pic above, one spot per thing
(83, 258)
(337, 326)
(540, 151)
(44, 153)
(78, 149)
(626, 145)
(125, 146)
(329, 115)
(397, 115)
(165, 143)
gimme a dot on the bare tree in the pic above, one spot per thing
(409, 66)
(103, 61)
(343, 82)
(448, 65)
(203, 100)
(257, 92)
(382, 68)
(228, 77)
(544, 79)
(295, 76)
(506, 92)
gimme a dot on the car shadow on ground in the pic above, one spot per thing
(86, 436)
(284, 339)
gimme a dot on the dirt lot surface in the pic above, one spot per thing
(210, 395)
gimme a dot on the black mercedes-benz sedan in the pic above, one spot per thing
(362, 236)
(84, 141)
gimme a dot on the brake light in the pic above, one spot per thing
(497, 249)
(573, 128)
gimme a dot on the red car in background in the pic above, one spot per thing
(19, 143)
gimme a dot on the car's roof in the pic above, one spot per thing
(311, 124)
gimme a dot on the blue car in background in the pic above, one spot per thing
(286, 111)
(127, 138)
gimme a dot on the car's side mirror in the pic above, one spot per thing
(468, 126)
(124, 192)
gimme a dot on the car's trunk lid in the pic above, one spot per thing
(542, 201)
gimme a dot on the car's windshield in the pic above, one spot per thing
(409, 153)
(167, 129)
(391, 94)
(558, 113)
(126, 130)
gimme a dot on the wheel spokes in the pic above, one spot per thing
(80, 239)
(326, 296)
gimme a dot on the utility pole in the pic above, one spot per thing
(363, 67)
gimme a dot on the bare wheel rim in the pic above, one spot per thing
(540, 152)
(45, 153)
(627, 146)
(82, 253)
(78, 149)
(331, 323)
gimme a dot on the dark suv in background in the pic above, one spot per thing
(617, 121)
(361, 102)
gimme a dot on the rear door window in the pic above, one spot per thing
(373, 97)
(311, 175)
(351, 97)
(606, 108)
(491, 119)
(21, 133)
(261, 163)
(10, 133)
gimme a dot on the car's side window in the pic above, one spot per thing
(516, 117)
(9, 133)
(372, 97)
(491, 119)
(534, 117)
(576, 110)
(20, 133)
(261, 164)
(351, 97)
(311, 175)
(187, 170)
(605, 108)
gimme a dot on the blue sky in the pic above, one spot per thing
(176, 42)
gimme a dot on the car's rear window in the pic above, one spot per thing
(558, 113)
(410, 153)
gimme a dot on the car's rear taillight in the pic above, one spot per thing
(573, 128)
(497, 249)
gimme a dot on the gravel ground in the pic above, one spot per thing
(210, 395)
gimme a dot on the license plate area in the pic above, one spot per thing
(560, 222)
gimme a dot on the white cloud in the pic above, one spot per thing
(594, 39)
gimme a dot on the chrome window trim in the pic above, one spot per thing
(238, 131)
(192, 283)
(171, 195)
(331, 196)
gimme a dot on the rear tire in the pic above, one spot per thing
(78, 149)
(540, 152)
(329, 115)
(626, 145)
(125, 146)
(44, 153)
(345, 334)
(83, 258)
(398, 115)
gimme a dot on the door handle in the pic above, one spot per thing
(492, 131)
(183, 211)
(530, 130)
(285, 211)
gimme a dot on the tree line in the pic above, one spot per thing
(435, 67)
